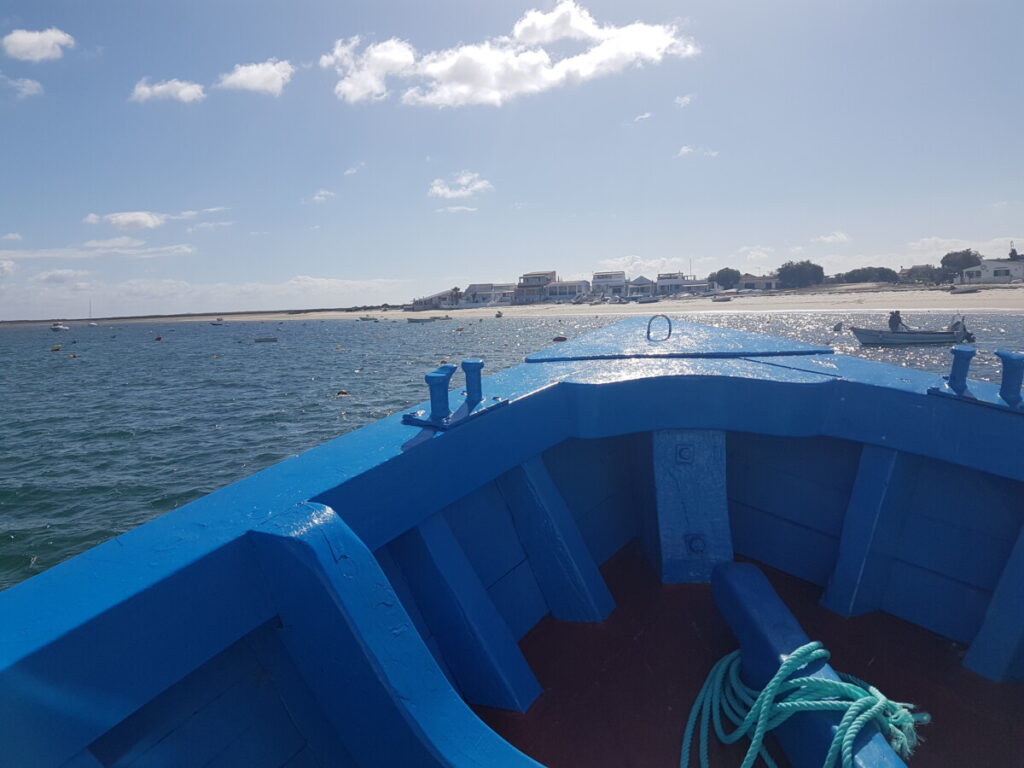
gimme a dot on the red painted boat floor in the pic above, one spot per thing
(617, 693)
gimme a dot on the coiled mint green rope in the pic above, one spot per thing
(757, 712)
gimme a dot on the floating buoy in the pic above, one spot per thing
(72, 356)
(459, 329)
(337, 346)
(159, 338)
(342, 393)
(55, 348)
(559, 338)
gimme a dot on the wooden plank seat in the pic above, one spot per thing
(767, 632)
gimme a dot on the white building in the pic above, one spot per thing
(995, 271)
(669, 283)
(641, 286)
(567, 290)
(533, 287)
(609, 283)
(758, 283)
(443, 300)
(478, 294)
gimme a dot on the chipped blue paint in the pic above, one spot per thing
(283, 560)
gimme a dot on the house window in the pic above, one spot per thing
(1000, 273)
(973, 273)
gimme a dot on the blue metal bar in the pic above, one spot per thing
(1013, 374)
(961, 365)
(474, 387)
(438, 381)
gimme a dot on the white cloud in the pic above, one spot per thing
(26, 45)
(935, 248)
(270, 76)
(634, 265)
(92, 250)
(205, 225)
(128, 220)
(833, 238)
(178, 90)
(164, 296)
(22, 85)
(365, 74)
(193, 214)
(116, 242)
(505, 67)
(644, 116)
(686, 149)
(59, 276)
(132, 220)
(7, 267)
(684, 101)
(457, 209)
(11, 236)
(463, 184)
(355, 169)
(320, 196)
(755, 252)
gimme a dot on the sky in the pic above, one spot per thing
(233, 155)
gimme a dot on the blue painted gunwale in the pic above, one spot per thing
(198, 568)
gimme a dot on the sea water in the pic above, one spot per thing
(127, 421)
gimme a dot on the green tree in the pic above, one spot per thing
(869, 275)
(924, 273)
(798, 274)
(958, 261)
(726, 277)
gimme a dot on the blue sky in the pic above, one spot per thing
(218, 156)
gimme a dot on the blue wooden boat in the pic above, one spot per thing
(521, 578)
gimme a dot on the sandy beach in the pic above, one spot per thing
(838, 298)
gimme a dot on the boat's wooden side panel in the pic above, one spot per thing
(787, 499)
(230, 711)
(563, 566)
(607, 484)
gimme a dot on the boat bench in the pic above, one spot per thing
(767, 632)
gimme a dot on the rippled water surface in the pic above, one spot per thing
(117, 428)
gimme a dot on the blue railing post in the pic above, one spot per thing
(961, 365)
(1013, 373)
(437, 381)
(474, 388)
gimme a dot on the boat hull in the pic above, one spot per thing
(875, 337)
(349, 606)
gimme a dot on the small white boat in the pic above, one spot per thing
(93, 325)
(499, 313)
(367, 317)
(218, 321)
(721, 298)
(58, 326)
(964, 290)
(957, 333)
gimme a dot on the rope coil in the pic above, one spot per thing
(757, 712)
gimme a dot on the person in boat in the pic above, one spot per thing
(896, 322)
